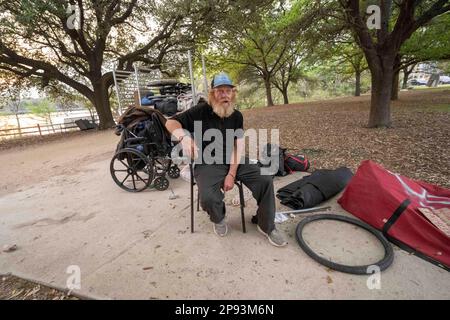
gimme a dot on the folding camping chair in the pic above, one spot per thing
(241, 199)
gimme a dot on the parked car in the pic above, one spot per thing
(418, 82)
(444, 80)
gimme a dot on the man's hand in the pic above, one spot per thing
(228, 183)
(190, 149)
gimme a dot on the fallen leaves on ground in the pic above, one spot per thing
(334, 133)
(14, 288)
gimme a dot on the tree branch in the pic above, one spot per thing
(32, 66)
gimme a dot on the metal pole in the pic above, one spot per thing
(205, 82)
(191, 170)
(117, 89)
(137, 83)
(305, 210)
(191, 73)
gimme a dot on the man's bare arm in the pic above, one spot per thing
(175, 128)
(189, 147)
(236, 154)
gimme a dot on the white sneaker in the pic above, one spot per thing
(221, 228)
(276, 238)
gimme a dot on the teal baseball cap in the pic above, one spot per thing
(221, 79)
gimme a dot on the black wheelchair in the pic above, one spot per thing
(142, 158)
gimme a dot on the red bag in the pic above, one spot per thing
(390, 202)
(295, 163)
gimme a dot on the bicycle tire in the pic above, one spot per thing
(383, 264)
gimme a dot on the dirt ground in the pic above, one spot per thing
(330, 133)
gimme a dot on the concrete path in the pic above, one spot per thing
(139, 246)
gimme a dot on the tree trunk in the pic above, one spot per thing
(101, 104)
(285, 95)
(357, 83)
(380, 104)
(396, 76)
(395, 85)
(268, 92)
(49, 115)
(18, 124)
(405, 78)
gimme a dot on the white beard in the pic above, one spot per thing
(223, 112)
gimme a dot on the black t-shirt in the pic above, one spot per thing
(203, 114)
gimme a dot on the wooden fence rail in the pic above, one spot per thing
(38, 130)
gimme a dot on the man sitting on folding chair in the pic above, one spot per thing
(216, 176)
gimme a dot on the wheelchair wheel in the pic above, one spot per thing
(174, 172)
(161, 183)
(131, 170)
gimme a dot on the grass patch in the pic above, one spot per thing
(439, 88)
(437, 108)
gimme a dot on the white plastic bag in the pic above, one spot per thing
(185, 173)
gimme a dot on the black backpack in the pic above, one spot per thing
(295, 163)
(278, 153)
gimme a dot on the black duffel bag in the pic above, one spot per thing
(167, 106)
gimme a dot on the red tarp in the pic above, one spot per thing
(374, 194)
